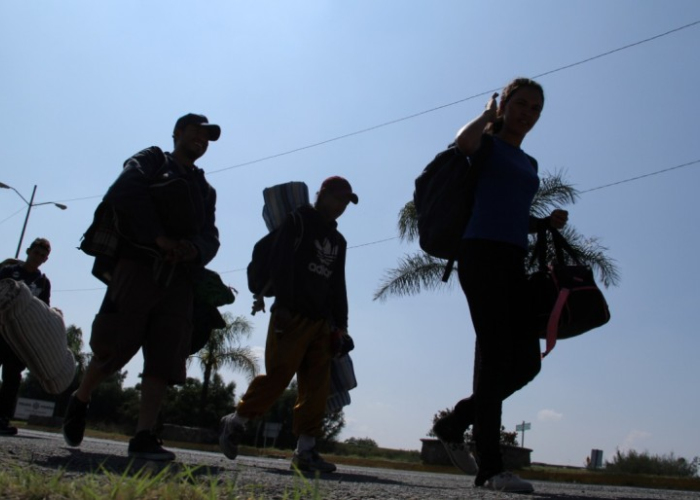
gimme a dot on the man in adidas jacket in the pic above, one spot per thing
(308, 279)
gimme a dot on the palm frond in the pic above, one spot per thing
(413, 274)
(223, 347)
(554, 192)
(408, 222)
(420, 271)
(241, 359)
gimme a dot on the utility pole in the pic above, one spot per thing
(26, 219)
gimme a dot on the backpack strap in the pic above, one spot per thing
(298, 221)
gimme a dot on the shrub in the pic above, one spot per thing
(634, 462)
(507, 438)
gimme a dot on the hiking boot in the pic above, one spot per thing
(310, 461)
(461, 457)
(231, 436)
(5, 428)
(448, 429)
(74, 421)
(508, 482)
(147, 446)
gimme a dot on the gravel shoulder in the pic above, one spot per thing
(47, 453)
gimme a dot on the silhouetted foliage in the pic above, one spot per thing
(224, 350)
(181, 405)
(634, 462)
(418, 271)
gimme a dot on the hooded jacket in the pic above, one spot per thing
(308, 275)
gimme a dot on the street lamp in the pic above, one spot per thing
(30, 204)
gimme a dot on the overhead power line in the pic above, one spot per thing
(694, 162)
(82, 198)
(431, 110)
(10, 216)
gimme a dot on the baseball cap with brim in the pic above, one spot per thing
(214, 131)
(339, 187)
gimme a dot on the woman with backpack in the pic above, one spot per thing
(492, 274)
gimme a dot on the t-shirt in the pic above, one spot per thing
(38, 283)
(503, 196)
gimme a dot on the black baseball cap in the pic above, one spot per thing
(341, 187)
(214, 131)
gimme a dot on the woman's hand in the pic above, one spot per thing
(558, 218)
(468, 138)
(491, 112)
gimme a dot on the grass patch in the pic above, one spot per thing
(21, 483)
(605, 478)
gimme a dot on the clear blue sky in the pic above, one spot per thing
(87, 84)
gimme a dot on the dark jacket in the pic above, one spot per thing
(310, 280)
(38, 283)
(155, 196)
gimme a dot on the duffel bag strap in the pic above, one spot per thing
(553, 324)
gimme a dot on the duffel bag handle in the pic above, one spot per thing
(559, 243)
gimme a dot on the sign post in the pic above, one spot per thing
(525, 426)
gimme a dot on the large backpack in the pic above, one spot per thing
(281, 201)
(443, 199)
(102, 239)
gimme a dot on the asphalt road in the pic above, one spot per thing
(271, 477)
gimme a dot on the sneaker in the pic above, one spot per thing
(5, 428)
(74, 421)
(147, 446)
(508, 482)
(461, 457)
(231, 436)
(310, 461)
(447, 429)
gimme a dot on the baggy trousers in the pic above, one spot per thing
(304, 349)
(492, 275)
(137, 313)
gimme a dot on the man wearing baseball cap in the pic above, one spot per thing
(12, 366)
(200, 121)
(164, 210)
(310, 311)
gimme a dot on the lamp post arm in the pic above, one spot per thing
(19, 194)
(59, 205)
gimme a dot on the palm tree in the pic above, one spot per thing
(420, 271)
(223, 350)
(74, 338)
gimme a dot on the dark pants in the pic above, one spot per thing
(492, 275)
(12, 368)
(138, 313)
